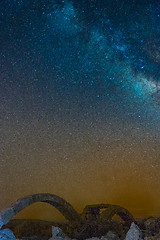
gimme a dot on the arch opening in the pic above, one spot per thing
(41, 211)
(114, 210)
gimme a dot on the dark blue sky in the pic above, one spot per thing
(79, 78)
(86, 53)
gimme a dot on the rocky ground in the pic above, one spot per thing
(142, 229)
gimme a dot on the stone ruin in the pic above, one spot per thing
(94, 221)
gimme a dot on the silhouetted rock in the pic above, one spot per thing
(134, 233)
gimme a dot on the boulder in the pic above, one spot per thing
(151, 225)
(57, 234)
(7, 234)
(134, 233)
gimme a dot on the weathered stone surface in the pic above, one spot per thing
(7, 234)
(156, 237)
(92, 212)
(5, 215)
(134, 233)
(110, 236)
(151, 225)
(57, 234)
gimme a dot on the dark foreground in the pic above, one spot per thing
(42, 230)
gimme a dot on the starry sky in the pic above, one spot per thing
(80, 103)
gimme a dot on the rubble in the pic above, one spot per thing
(151, 226)
(134, 233)
(110, 236)
(57, 234)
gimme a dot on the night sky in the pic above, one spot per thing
(80, 103)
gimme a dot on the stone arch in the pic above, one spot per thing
(123, 213)
(59, 203)
(92, 212)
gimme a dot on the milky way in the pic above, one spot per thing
(80, 102)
